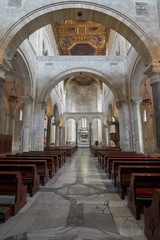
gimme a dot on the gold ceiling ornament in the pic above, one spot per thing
(81, 37)
(82, 80)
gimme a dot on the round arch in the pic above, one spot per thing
(67, 118)
(83, 116)
(97, 118)
(59, 11)
(67, 74)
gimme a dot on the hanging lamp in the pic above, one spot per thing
(13, 98)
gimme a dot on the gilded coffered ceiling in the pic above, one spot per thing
(81, 37)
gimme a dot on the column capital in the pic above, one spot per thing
(136, 100)
(57, 123)
(44, 105)
(153, 72)
(120, 104)
(5, 66)
(90, 124)
(155, 78)
(27, 99)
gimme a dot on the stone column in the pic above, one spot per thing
(2, 80)
(108, 133)
(90, 133)
(77, 134)
(27, 123)
(64, 137)
(57, 133)
(13, 132)
(49, 130)
(39, 113)
(103, 134)
(155, 83)
(61, 136)
(136, 101)
(4, 67)
(124, 125)
(107, 136)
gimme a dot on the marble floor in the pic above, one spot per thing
(78, 203)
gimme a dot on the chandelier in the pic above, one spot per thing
(146, 99)
(13, 98)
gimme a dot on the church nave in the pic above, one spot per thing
(79, 202)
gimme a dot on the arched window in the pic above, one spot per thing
(84, 122)
(145, 115)
(20, 115)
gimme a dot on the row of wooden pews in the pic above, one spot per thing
(136, 176)
(23, 173)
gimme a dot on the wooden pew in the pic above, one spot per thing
(96, 149)
(11, 184)
(140, 191)
(116, 164)
(152, 217)
(120, 155)
(108, 169)
(68, 149)
(42, 169)
(105, 154)
(124, 176)
(52, 163)
(59, 155)
(29, 175)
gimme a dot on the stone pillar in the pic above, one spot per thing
(64, 137)
(13, 132)
(57, 133)
(2, 80)
(77, 134)
(49, 130)
(103, 134)
(27, 123)
(155, 83)
(124, 125)
(107, 136)
(108, 133)
(64, 101)
(90, 133)
(4, 67)
(39, 113)
(61, 136)
(136, 101)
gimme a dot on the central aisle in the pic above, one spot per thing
(78, 203)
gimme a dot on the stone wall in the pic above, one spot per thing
(81, 99)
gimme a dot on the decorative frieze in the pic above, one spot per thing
(111, 59)
(142, 9)
(14, 3)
